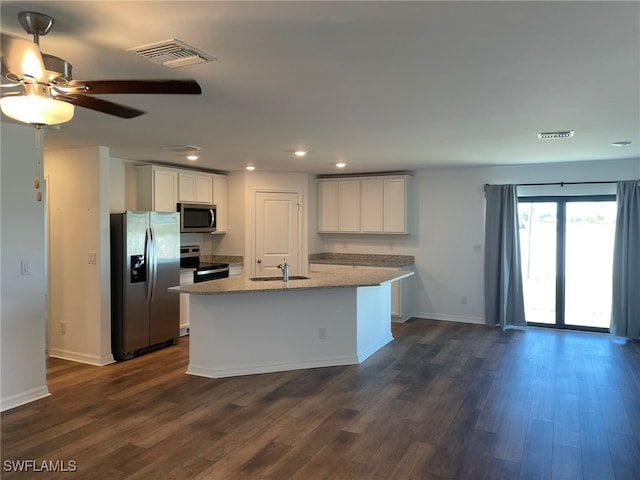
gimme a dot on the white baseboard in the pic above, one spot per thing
(25, 397)
(450, 318)
(362, 356)
(237, 370)
(81, 357)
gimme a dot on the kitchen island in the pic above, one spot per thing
(240, 326)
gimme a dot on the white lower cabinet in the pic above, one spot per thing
(235, 270)
(186, 277)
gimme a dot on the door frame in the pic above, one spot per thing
(303, 228)
(561, 202)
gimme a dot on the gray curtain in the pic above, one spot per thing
(504, 302)
(625, 311)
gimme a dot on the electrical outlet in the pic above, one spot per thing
(63, 327)
(25, 267)
(322, 333)
(92, 258)
(463, 300)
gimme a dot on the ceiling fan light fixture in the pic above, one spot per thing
(36, 110)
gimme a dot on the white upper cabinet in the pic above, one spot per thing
(349, 206)
(328, 206)
(220, 201)
(363, 205)
(156, 188)
(372, 205)
(160, 189)
(195, 187)
(395, 205)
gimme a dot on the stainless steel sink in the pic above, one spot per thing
(271, 279)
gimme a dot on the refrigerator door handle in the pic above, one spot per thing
(154, 261)
(148, 260)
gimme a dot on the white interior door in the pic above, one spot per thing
(278, 233)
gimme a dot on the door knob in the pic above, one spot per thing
(259, 260)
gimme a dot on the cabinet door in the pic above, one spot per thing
(186, 187)
(165, 190)
(328, 206)
(235, 270)
(195, 187)
(349, 206)
(395, 216)
(220, 201)
(372, 205)
(204, 189)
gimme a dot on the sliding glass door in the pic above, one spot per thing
(567, 251)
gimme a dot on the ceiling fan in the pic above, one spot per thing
(44, 91)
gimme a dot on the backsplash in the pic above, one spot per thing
(364, 259)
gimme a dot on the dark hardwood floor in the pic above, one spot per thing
(442, 401)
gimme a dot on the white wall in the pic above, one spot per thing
(449, 208)
(79, 225)
(122, 185)
(22, 297)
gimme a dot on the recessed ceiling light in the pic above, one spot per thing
(251, 168)
(341, 164)
(193, 157)
(300, 153)
(624, 143)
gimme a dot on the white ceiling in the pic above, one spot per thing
(380, 85)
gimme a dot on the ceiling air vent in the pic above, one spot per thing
(172, 53)
(548, 135)
(181, 148)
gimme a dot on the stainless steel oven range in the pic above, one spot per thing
(203, 271)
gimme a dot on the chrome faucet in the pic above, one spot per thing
(285, 271)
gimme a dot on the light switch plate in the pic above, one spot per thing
(25, 267)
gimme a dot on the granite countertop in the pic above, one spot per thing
(362, 259)
(338, 278)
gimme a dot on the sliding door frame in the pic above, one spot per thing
(561, 232)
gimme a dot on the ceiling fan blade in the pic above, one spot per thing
(103, 106)
(185, 86)
(20, 58)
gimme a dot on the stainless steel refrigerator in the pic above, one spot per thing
(145, 261)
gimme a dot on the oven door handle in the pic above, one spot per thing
(208, 272)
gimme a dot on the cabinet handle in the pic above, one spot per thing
(259, 260)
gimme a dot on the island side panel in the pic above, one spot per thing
(248, 333)
(374, 325)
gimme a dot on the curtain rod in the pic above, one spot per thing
(562, 184)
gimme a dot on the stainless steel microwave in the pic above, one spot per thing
(196, 218)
